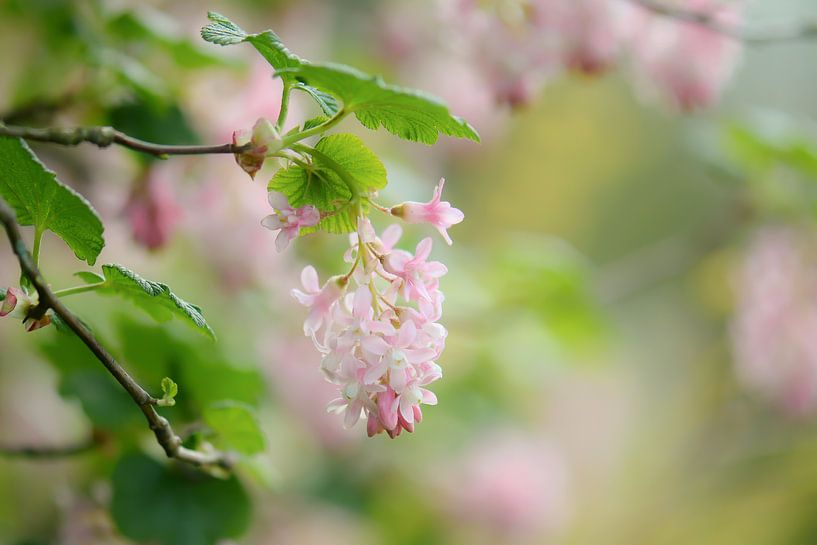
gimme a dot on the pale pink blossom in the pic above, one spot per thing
(288, 220)
(773, 331)
(264, 141)
(417, 277)
(687, 64)
(378, 349)
(318, 299)
(437, 212)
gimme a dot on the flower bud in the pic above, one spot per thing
(264, 139)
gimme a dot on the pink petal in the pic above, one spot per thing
(272, 222)
(429, 398)
(309, 279)
(283, 238)
(423, 249)
(374, 344)
(362, 302)
(391, 235)
(352, 414)
(9, 303)
(406, 334)
(374, 373)
(406, 410)
(278, 201)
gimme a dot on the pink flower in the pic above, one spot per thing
(438, 213)
(417, 277)
(319, 300)
(265, 141)
(395, 355)
(289, 220)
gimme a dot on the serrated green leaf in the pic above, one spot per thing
(39, 199)
(222, 31)
(315, 122)
(169, 391)
(327, 102)
(155, 503)
(321, 186)
(236, 427)
(153, 297)
(407, 113)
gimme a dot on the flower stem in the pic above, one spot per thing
(78, 289)
(35, 252)
(282, 113)
(288, 141)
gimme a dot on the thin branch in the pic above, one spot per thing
(788, 32)
(167, 438)
(106, 136)
(48, 452)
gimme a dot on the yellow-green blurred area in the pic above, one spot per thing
(613, 375)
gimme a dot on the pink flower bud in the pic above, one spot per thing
(17, 303)
(438, 213)
(265, 141)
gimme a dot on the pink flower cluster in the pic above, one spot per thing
(377, 329)
(519, 45)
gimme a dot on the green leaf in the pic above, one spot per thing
(236, 427)
(153, 297)
(327, 102)
(169, 391)
(407, 113)
(153, 503)
(222, 31)
(39, 199)
(322, 186)
(315, 122)
(349, 151)
(89, 277)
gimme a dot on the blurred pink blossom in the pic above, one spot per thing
(510, 484)
(774, 331)
(152, 209)
(686, 64)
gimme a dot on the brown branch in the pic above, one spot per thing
(106, 136)
(47, 452)
(167, 438)
(788, 32)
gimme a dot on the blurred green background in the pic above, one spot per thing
(613, 375)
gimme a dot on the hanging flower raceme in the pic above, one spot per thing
(376, 327)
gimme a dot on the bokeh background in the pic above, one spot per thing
(631, 301)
